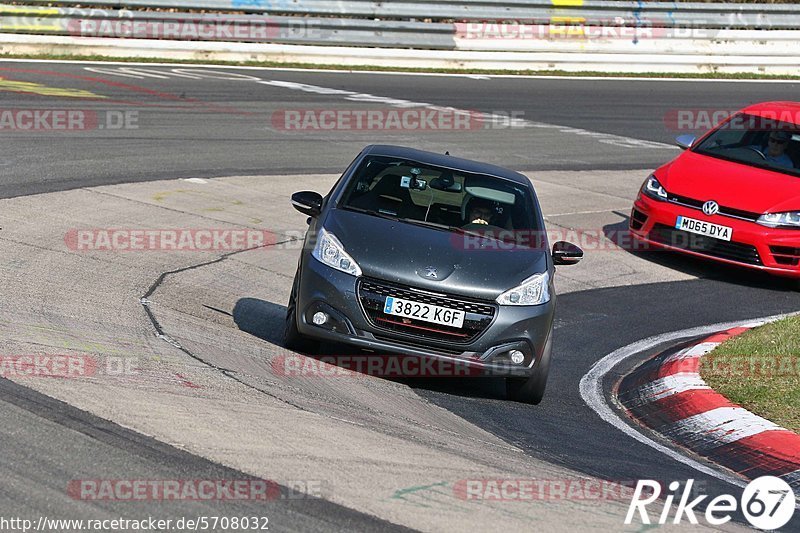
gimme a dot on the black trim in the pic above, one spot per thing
(730, 250)
(725, 211)
(479, 314)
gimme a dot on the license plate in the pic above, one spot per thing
(424, 312)
(704, 228)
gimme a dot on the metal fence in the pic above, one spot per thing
(707, 33)
(226, 27)
(719, 15)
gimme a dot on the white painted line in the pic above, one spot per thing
(605, 138)
(752, 325)
(699, 350)
(666, 387)
(398, 73)
(591, 389)
(677, 356)
(717, 427)
(195, 180)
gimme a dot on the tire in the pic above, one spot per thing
(292, 338)
(531, 390)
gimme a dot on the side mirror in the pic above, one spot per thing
(685, 142)
(307, 202)
(566, 253)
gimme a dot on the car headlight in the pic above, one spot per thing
(533, 291)
(330, 251)
(790, 219)
(653, 189)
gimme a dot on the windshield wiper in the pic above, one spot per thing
(454, 229)
(373, 213)
(488, 234)
(428, 224)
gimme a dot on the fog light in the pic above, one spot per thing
(319, 318)
(517, 357)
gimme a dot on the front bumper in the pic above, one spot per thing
(776, 251)
(526, 328)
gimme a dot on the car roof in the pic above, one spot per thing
(447, 161)
(783, 111)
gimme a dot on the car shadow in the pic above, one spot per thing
(485, 388)
(261, 319)
(265, 320)
(619, 234)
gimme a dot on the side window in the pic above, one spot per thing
(346, 172)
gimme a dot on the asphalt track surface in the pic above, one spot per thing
(207, 128)
(204, 128)
(73, 441)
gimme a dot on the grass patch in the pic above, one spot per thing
(373, 68)
(760, 370)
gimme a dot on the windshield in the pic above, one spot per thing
(756, 141)
(451, 199)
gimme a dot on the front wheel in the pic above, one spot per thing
(292, 338)
(531, 390)
(527, 390)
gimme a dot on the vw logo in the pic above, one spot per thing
(711, 208)
(431, 272)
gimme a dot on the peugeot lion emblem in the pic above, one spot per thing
(711, 208)
(431, 272)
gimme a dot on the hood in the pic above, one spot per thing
(402, 253)
(730, 184)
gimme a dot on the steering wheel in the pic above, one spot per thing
(756, 150)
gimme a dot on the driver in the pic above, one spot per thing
(775, 151)
(479, 212)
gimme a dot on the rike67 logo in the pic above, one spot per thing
(768, 503)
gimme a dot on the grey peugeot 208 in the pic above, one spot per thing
(430, 256)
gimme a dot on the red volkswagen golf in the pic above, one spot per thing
(733, 196)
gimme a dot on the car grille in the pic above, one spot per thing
(723, 210)
(732, 251)
(372, 295)
(425, 344)
(785, 255)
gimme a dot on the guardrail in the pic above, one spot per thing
(515, 33)
(710, 15)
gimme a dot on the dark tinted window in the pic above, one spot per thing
(413, 191)
(756, 141)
